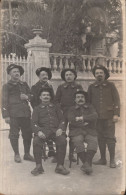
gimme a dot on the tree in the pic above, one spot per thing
(70, 25)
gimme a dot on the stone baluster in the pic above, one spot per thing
(55, 63)
(114, 66)
(110, 66)
(88, 65)
(119, 66)
(72, 65)
(93, 63)
(83, 63)
(66, 63)
(60, 64)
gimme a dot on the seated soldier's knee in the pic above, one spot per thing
(36, 140)
(61, 140)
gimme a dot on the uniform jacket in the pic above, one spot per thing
(105, 99)
(47, 118)
(35, 91)
(12, 105)
(65, 94)
(87, 126)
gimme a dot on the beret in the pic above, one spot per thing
(48, 70)
(68, 69)
(12, 66)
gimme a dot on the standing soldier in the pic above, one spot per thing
(16, 111)
(44, 75)
(104, 96)
(65, 97)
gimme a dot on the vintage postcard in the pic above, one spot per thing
(62, 97)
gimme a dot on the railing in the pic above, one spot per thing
(83, 64)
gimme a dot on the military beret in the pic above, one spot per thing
(12, 66)
(46, 90)
(83, 93)
(68, 69)
(102, 68)
(48, 70)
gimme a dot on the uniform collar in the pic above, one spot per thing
(82, 106)
(73, 84)
(44, 106)
(15, 83)
(104, 83)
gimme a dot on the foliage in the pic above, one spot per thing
(65, 24)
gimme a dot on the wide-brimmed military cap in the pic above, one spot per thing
(46, 90)
(48, 70)
(12, 66)
(66, 70)
(102, 68)
(83, 93)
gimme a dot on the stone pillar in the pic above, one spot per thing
(38, 49)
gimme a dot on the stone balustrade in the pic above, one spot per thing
(84, 63)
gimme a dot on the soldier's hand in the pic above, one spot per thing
(79, 118)
(7, 120)
(41, 135)
(115, 118)
(23, 96)
(59, 132)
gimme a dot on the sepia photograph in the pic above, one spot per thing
(63, 97)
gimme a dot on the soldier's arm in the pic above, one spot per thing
(53, 95)
(28, 92)
(92, 116)
(5, 103)
(34, 121)
(58, 95)
(89, 94)
(60, 117)
(33, 96)
(71, 116)
(116, 100)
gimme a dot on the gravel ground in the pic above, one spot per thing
(16, 179)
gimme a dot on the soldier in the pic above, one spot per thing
(16, 111)
(65, 97)
(82, 119)
(48, 123)
(104, 96)
(44, 75)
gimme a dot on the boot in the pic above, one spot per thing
(71, 152)
(61, 170)
(29, 157)
(82, 156)
(111, 148)
(14, 144)
(38, 170)
(27, 145)
(87, 167)
(102, 148)
(17, 158)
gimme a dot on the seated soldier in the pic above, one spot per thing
(82, 119)
(48, 123)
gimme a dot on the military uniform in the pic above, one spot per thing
(19, 112)
(65, 96)
(48, 119)
(85, 130)
(35, 91)
(105, 99)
